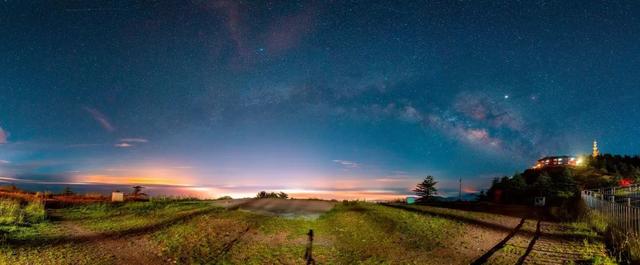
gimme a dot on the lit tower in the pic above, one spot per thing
(596, 152)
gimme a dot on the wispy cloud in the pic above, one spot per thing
(101, 119)
(31, 181)
(347, 164)
(130, 142)
(3, 136)
(123, 145)
(393, 179)
(4, 162)
(134, 140)
(83, 145)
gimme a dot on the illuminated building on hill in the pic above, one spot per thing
(563, 161)
(557, 161)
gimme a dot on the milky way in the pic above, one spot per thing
(326, 97)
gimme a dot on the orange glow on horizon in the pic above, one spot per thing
(142, 176)
(212, 193)
(116, 180)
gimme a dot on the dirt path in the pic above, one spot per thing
(483, 259)
(554, 250)
(532, 241)
(287, 208)
(545, 246)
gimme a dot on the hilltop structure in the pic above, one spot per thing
(557, 161)
(562, 161)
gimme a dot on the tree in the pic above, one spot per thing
(137, 191)
(426, 189)
(543, 185)
(67, 191)
(271, 195)
(482, 196)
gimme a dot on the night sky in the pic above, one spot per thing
(331, 99)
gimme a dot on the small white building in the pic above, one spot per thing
(117, 196)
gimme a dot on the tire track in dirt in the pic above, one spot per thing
(229, 245)
(484, 258)
(532, 243)
(550, 251)
(90, 237)
(135, 249)
(542, 249)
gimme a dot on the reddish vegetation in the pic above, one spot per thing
(626, 182)
(18, 195)
(51, 200)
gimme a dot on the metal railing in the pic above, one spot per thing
(619, 206)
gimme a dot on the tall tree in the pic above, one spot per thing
(426, 189)
(137, 191)
(67, 191)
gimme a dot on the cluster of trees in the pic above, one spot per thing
(556, 184)
(617, 166)
(273, 195)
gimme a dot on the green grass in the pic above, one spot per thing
(350, 233)
(354, 233)
(107, 217)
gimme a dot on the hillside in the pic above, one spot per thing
(561, 185)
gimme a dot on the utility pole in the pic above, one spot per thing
(460, 190)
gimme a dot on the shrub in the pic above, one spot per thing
(634, 251)
(265, 195)
(12, 212)
(35, 212)
(597, 221)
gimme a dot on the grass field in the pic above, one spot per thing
(203, 232)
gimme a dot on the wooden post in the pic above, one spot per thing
(308, 254)
(460, 190)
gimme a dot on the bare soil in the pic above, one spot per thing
(292, 208)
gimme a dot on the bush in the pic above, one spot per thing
(597, 221)
(35, 212)
(634, 251)
(12, 212)
(571, 209)
(623, 245)
(273, 195)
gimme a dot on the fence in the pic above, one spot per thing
(618, 205)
